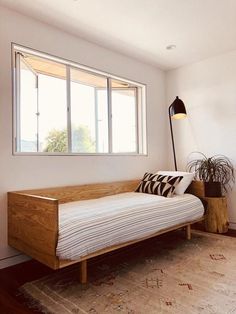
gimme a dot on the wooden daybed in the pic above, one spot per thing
(33, 220)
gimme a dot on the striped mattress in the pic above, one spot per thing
(91, 225)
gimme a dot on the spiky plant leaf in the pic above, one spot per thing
(217, 168)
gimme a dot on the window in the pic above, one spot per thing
(64, 108)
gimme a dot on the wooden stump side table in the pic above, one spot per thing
(217, 215)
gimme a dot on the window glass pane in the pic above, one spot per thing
(28, 108)
(53, 114)
(89, 124)
(124, 120)
(102, 119)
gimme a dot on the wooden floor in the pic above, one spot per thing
(12, 278)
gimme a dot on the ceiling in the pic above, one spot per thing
(143, 28)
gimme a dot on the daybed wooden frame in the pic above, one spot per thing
(33, 220)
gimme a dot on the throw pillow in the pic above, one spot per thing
(158, 184)
(185, 182)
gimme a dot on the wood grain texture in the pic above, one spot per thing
(33, 226)
(217, 215)
(83, 272)
(188, 232)
(33, 216)
(197, 188)
(33, 220)
(67, 194)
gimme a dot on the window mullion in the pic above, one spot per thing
(68, 93)
(137, 121)
(96, 118)
(38, 113)
(18, 97)
(109, 100)
(112, 114)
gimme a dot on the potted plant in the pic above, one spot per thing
(217, 173)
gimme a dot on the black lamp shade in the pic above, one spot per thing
(177, 109)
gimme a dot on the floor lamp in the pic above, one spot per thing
(176, 111)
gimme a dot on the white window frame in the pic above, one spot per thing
(141, 125)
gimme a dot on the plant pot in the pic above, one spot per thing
(213, 189)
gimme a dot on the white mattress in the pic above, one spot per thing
(91, 225)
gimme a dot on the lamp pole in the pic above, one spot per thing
(177, 111)
(172, 139)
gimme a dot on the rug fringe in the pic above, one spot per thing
(31, 302)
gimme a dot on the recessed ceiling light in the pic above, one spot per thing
(170, 47)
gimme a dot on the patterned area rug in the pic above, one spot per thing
(170, 275)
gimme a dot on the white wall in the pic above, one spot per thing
(208, 89)
(22, 172)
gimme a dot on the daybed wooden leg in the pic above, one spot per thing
(188, 232)
(83, 271)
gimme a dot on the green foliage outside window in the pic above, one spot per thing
(81, 141)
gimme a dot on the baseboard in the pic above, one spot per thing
(13, 260)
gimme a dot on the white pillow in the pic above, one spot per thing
(184, 183)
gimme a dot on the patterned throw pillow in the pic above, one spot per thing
(158, 184)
